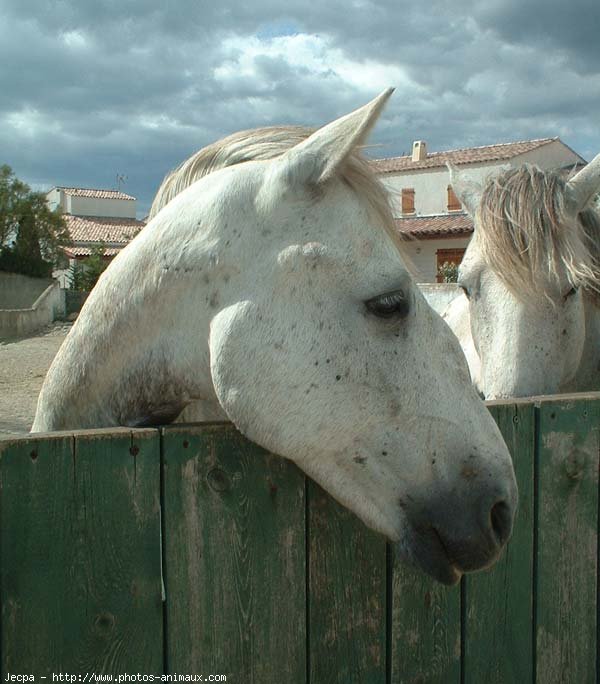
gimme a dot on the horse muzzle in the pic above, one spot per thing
(452, 536)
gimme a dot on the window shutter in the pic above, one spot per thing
(453, 201)
(408, 201)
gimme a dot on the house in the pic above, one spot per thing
(428, 214)
(95, 218)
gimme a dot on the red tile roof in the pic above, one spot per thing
(74, 252)
(96, 194)
(442, 225)
(468, 155)
(100, 229)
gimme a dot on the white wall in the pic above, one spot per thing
(439, 295)
(91, 206)
(431, 187)
(40, 309)
(62, 275)
(54, 198)
(18, 291)
(422, 253)
(552, 156)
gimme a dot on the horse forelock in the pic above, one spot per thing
(529, 236)
(263, 144)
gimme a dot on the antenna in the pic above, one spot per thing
(121, 179)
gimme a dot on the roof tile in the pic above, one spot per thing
(111, 231)
(96, 194)
(87, 251)
(441, 225)
(470, 155)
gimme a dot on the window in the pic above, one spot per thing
(408, 201)
(450, 256)
(453, 201)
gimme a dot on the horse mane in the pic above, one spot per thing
(262, 144)
(529, 236)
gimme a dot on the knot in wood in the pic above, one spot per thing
(574, 464)
(218, 480)
(104, 623)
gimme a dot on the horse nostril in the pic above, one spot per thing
(501, 520)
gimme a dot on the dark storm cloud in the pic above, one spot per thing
(89, 90)
(569, 28)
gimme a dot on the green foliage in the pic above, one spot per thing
(31, 235)
(449, 272)
(84, 273)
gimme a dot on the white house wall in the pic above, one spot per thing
(62, 275)
(431, 187)
(91, 206)
(554, 155)
(422, 254)
(53, 198)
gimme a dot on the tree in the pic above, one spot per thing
(31, 235)
(84, 274)
(448, 272)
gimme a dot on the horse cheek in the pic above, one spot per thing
(245, 383)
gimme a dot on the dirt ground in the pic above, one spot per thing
(24, 362)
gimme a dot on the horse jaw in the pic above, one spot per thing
(587, 378)
(457, 316)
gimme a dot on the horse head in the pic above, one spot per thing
(529, 274)
(272, 291)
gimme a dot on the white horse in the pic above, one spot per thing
(529, 320)
(272, 292)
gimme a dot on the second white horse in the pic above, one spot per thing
(529, 319)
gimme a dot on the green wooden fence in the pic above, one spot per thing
(191, 551)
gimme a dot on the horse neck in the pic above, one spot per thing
(126, 361)
(588, 373)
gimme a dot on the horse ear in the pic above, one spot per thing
(317, 158)
(468, 192)
(585, 185)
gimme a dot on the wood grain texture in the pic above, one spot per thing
(566, 582)
(499, 603)
(425, 640)
(270, 580)
(347, 595)
(80, 554)
(234, 520)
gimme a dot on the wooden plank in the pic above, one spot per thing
(234, 520)
(566, 582)
(347, 595)
(426, 639)
(498, 627)
(537, 400)
(80, 563)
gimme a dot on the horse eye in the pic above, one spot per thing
(570, 293)
(390, 305)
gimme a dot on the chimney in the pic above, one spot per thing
(419, 151)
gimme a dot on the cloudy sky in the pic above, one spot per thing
(92, 89)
